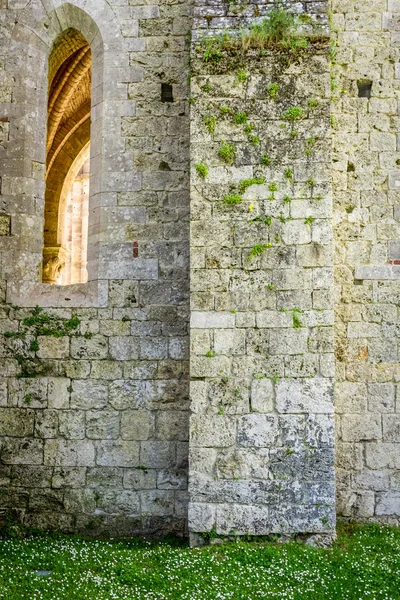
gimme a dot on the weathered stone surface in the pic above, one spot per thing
(297, 396)
(137, 425)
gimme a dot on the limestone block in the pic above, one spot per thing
(50, 347)
(95, 347)
(283, 341)
(117, 453)
(69, 453)
(58, 392)
(124, 348)
(153, 348)
(371, 480)
(104, 477)
(46, 423)
(137, 425)
(350, 397)
(106, 369)
(261, 396)
(26, 451)
(140, 479)
(381, 397)
(16, 422)
(102, 425)
(229, 342)
(309, 396)
(212, 320)
(257, 430)
(158, 503)
(382, 456)
(68, 477)
(217, 366)
(201, 516)
(305, 365)
(158, 455)
(220, 431)
(79, 501)
(391, 428)
(88, 395)
(349, 456)
(388, 503)
(357, 428)
(72, 424)
(173, 425)
(28, 391)
(172, 480)
(127, 394)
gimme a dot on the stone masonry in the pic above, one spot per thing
(366, 180)
(235, 300)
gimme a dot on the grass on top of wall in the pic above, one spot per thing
(364, 564)
(281, 30)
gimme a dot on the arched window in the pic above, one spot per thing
(67, 161)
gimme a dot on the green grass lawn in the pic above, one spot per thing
(364, 564)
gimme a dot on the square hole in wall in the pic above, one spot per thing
(166, 93)
(364, 88)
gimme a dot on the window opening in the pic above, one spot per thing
(67, 161)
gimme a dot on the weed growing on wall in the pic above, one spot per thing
(26, 340)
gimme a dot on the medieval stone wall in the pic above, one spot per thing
(94, 435)
(261, 450)
(366, 180)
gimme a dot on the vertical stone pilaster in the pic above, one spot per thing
(262, 365)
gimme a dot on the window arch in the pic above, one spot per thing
(67, 160)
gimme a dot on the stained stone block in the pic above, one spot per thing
(137, 425)
(257, 430)
(117, 453)
(50, 347)
(72, 424)
(154, 454)
(69, 453)
(46, 423)
(308, 396)
(262, 396)
(220, 431)
(158, 502)
(357, 428)
(16, 422)
(88, 395)
(58, 392)
(95, 347)
(22, 451)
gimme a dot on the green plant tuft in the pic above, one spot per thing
(254, 139)
(242, 76)
(272, 89)
(212, 52)
(287, 199)
(258, 250)
(210, 123)
(245, 183)
(227, 153)
(294, 113)
(240, 118)
(265, 160)
(232, 199)
(288, 173)
(224, 110)
(309, 220)
(201, 169)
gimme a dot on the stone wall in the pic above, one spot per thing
(262, 369)
(94, 435)
(366, 180)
